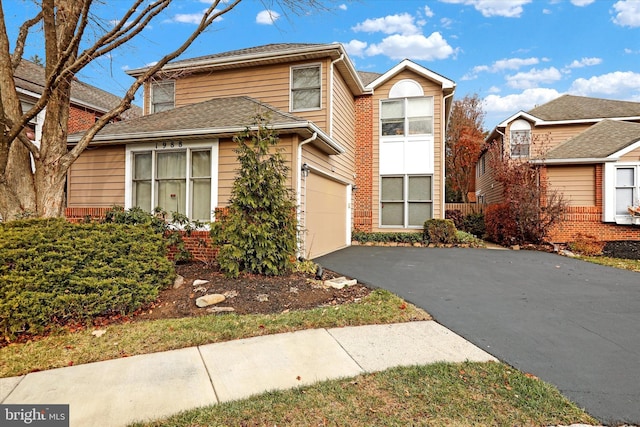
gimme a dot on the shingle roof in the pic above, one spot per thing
(268, 48)
(367, 76)
(599, 141)
(31, 77)
(570, 107)
(217, 113)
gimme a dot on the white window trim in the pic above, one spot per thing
(298, 67)
(405, 137)
(151, 103)
(157, 146)
(405, 199)
(609, 192)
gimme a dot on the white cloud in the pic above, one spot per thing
(428, 12)
(342, 7)
(627, 13)
(546, 11)
(511, 104)
(355, 48)
(585, 62)
(488, 8)
(533, 78)
(391, 24)
(501, 65)
(416, 47)
(188, 18)
(494, 89)
(620, 83)
(581, 3)
(267, 17)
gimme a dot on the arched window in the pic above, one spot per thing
(520, 138)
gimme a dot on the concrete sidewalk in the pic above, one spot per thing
(152, 386)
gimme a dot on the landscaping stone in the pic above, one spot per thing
(340, 282)
(200, 282)
(230, 294)
(262, 297)
(178, 282)
(221, 309)
(211, 299)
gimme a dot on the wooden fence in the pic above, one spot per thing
(465, 208)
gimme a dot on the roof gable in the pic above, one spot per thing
(600, 141)
(418, 69)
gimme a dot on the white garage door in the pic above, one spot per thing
(326, 216)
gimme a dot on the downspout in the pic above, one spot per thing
(331, 84)
(302, 221)
(443, 160)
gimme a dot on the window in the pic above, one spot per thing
(407, 116)
(627, 188)
(305, 88)
(162, 96)
(520, 138)
(406, 201)
(174, 180)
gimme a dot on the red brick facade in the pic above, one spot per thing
(81, 119)
(197, 242)
(587, 220)
(363, 196)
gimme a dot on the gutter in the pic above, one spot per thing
(331, 87)
(443, 180)
(587, 160)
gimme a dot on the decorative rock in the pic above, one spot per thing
(200, 282)
(178, 282)
(200, 289)
(340, 282)
(262, 297)
(221, 309)
(210, 299)
(515, 247)
(98, 333)
(230, 294)
(567, 253)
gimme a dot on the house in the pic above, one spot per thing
(364, 150)
(87, 102)
(589, 151)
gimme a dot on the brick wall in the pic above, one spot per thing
(197, 242)
(588, 220)
(363, 196)
(80, 119)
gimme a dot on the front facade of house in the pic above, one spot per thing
(589, 151)
(364, 150)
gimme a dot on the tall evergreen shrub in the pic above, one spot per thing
(258, 231)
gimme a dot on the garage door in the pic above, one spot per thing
(326, 216)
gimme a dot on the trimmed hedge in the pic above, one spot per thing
(55, 272)
(440, 231)
(384, 237)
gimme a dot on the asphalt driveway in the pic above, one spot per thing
(571, 323)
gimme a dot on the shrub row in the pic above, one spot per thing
(471, 223)
(53, 272)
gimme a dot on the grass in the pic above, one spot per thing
(625, 264)
(152, 336)
(452, 394)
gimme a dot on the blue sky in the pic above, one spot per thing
(515, 54)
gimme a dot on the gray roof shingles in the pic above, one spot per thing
(31, 77)
(217, 113)
(599, 141)
(570, 107)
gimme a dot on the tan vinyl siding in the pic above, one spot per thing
(228, 165)
(97, 178)
(343, 128)
(269, 84)
(576, 183)
(545, 138)
(489, 189)
(631, 156)
(430, 89)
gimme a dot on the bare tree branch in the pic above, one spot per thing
(21, 39)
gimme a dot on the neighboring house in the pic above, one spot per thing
(87, 102)
(589, 149)
(365, 150)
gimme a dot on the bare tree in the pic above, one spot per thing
(64, 25)
(463, 144)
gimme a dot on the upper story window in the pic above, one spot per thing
(520, 138)
(305, 88)
(407, 116)
(162, 96)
